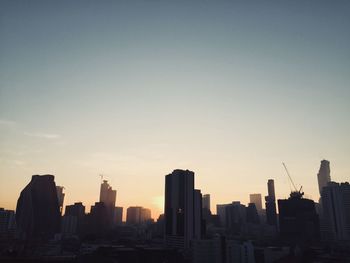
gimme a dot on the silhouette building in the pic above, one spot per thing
(108, 198)
(336, 211)
(236, 217)
(118, 215)
(206, 202)
(99, 218)
(252, 214)
(107, 194)
(323, 175)
(256, 199)
(206, 213)
(270, 204)
(221, 212)
(38, 213)
(7, 223)
(298, 220)
(78, 210)
(199, 223)
(137, 215)
(60, 196)
(182, 209)
(73, 219)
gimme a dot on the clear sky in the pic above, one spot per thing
(135, 89)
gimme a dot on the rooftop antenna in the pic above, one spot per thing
(101, 175)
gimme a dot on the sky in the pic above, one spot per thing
(135, 89)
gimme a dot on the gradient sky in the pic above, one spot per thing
(135, 89)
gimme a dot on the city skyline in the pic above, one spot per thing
(160, 209)
(229, 90)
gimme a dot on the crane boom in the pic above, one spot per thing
(290, 178)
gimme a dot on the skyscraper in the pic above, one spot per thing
(198, 214)
(252, 214)
(99, 219)
(182, 209)
(73, 219)
(270, 204)
(323, 175)
(38, 213)
(336, 211)
(60, 196)
(256, 199)
(137, 215)
(298, 219)
(108, 197)
(271, 188)
(118, 215)
(221, 212)
(206, 201)
(107, 194)
(236, 217)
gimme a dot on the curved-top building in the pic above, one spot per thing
(38, 213)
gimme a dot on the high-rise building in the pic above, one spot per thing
(38, 213)
(137, 215)
(271, 188)
(108, 198)
(336, 211)
(99, 219)
(107, 194)
(60, 196)
(7, 223)
(145, 215)
(73, 219)
(270, 204)
(133, 215)
(182, 209)
(118, 215)
(198, 219)
(256, 199)
(221, 212)
(252, 214)
(323, 175)
(236, 217)
(78, 210)
(206, 202)
(298, 219)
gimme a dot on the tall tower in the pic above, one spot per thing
(182, 209)
(271, 188)
(107, 194)
(270, 203)
(256, 199)
(323, 175)
(108, 197)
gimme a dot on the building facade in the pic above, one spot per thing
(182, 209)
(336, 211)
(256, 199)
(324, 175)
(38, 213)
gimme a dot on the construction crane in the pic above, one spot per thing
(296, 192)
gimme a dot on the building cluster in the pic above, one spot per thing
(188, 231)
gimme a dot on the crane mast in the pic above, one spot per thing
(296, 192)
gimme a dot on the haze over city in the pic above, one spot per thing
(229, 90)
